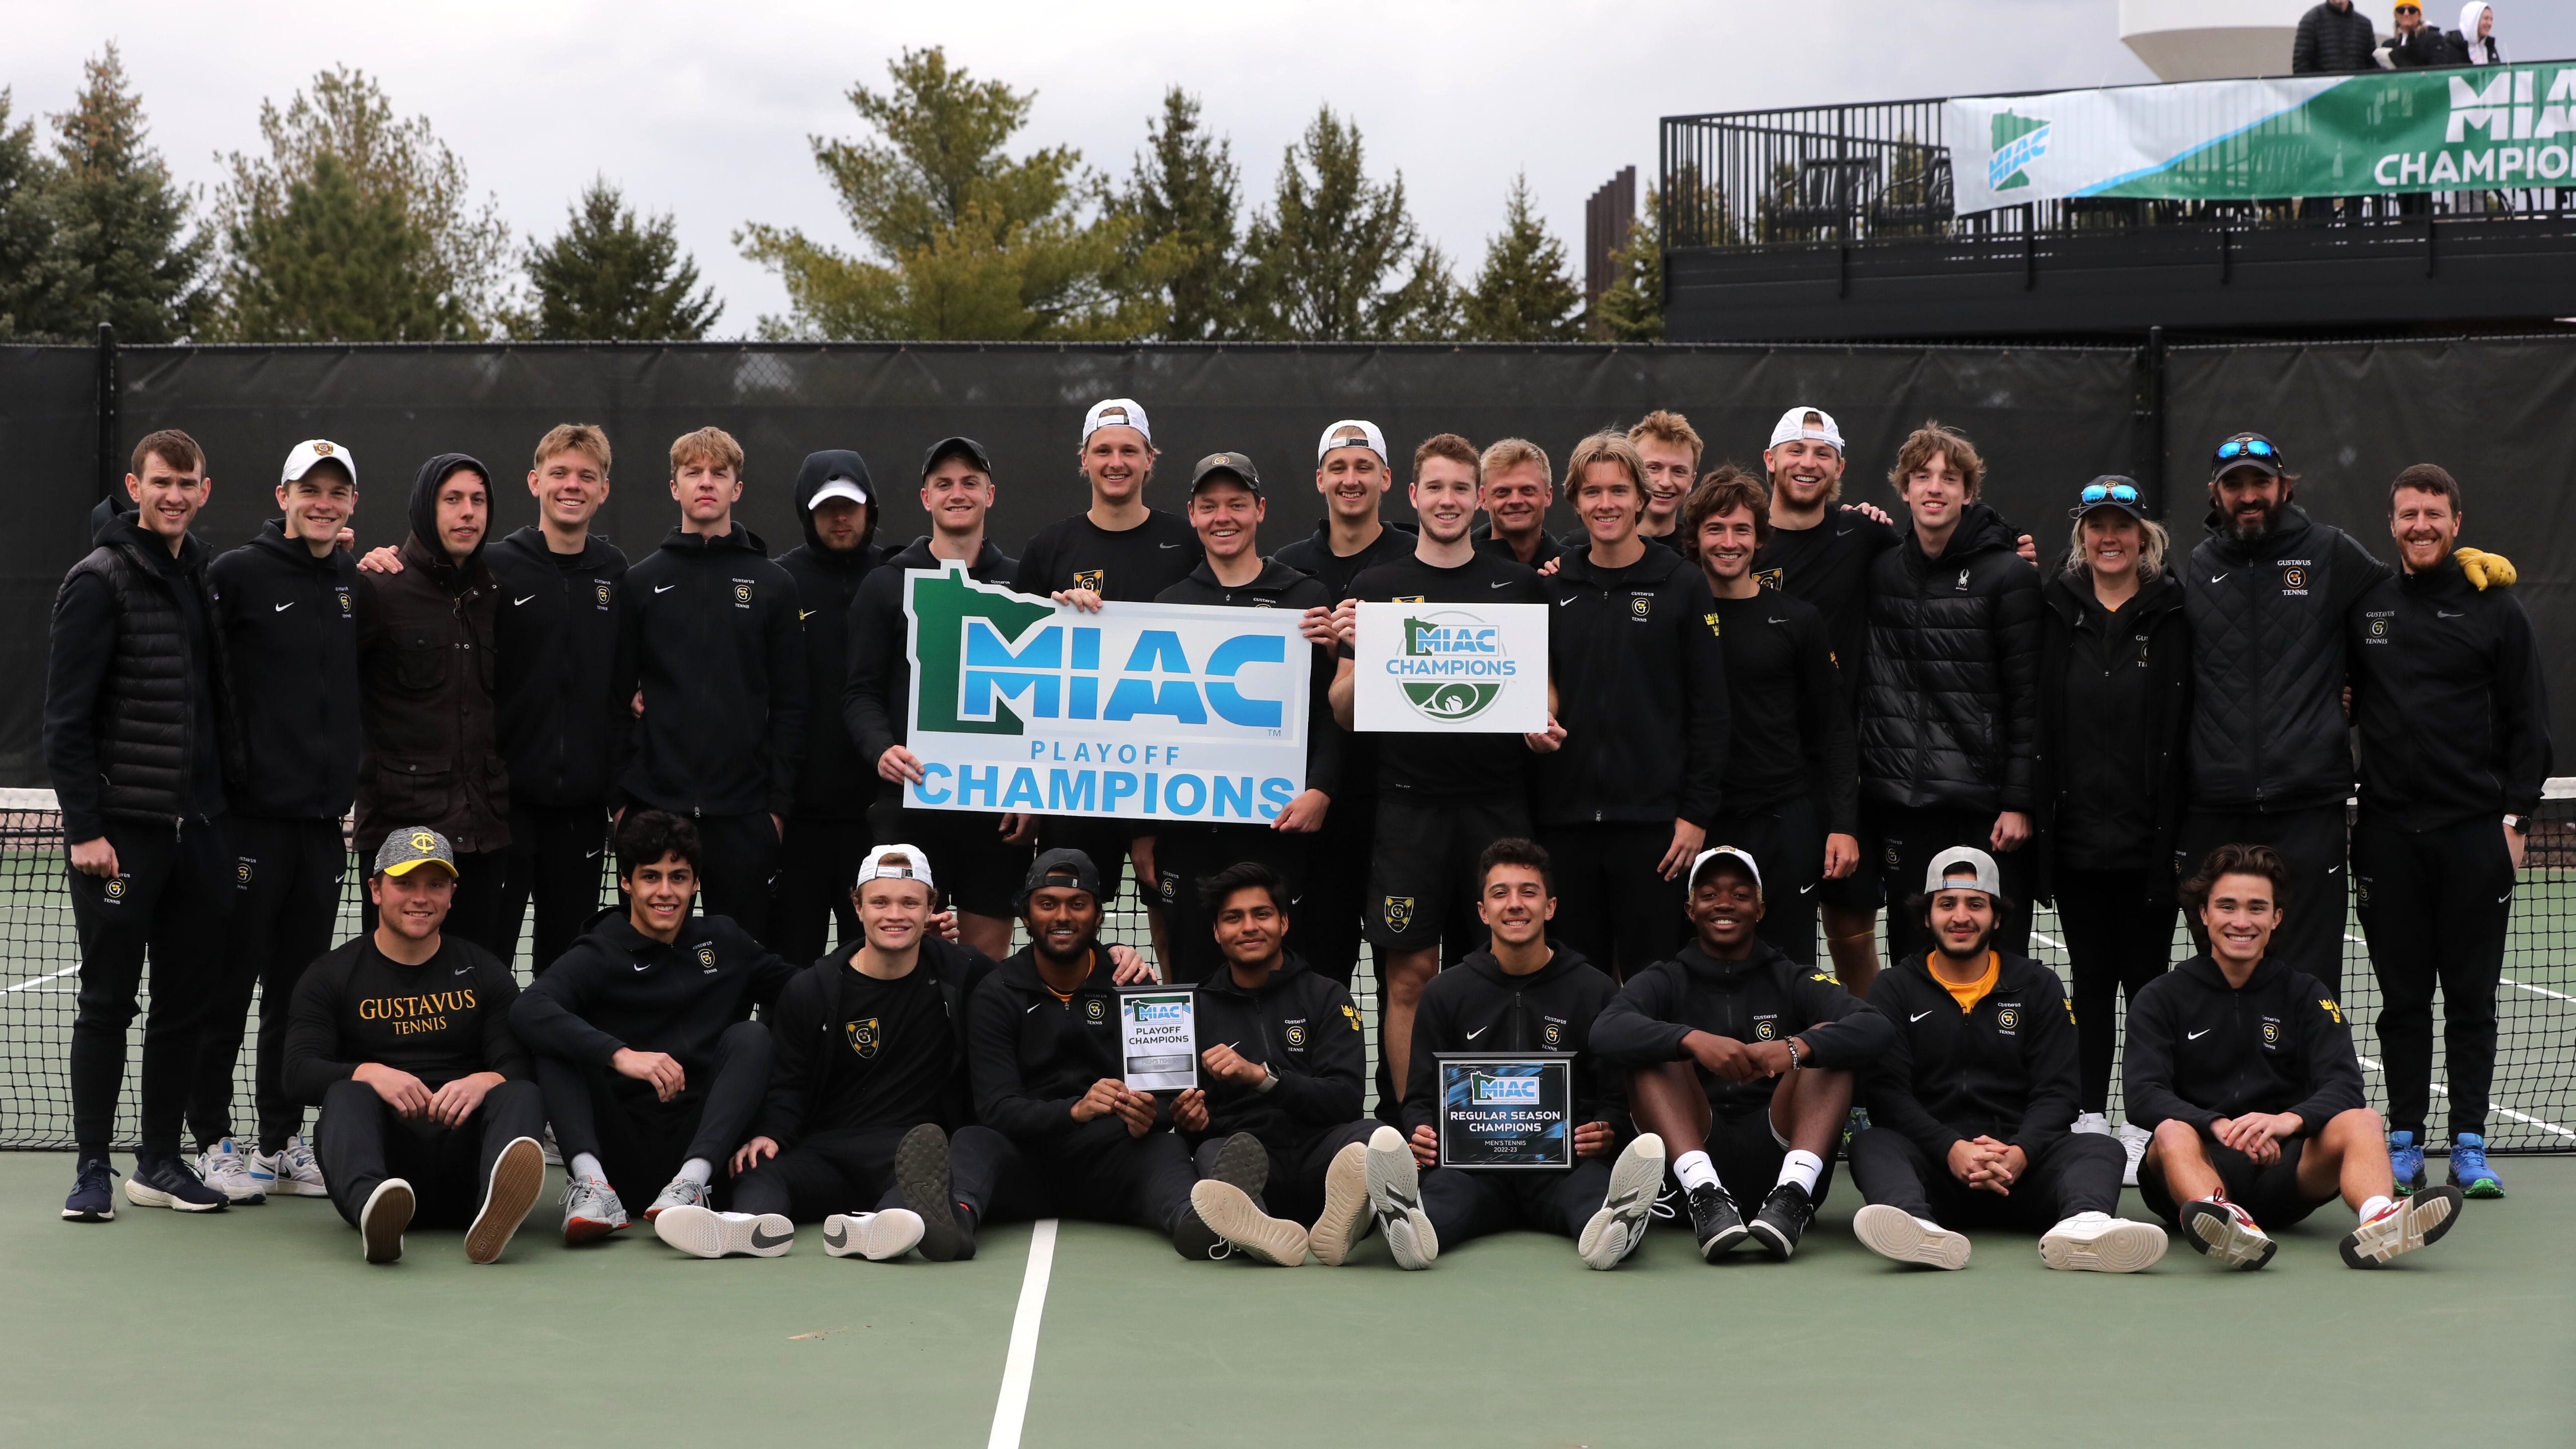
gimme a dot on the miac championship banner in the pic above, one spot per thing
(1141, 711)
(2407, 130)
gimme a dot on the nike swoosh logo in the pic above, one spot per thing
(1778, 621)
(464, 970)
(760, 1239)
(804, 614)
(1480, 1031)
(2195, 1036)
(514, 603)
(1804, 889)
(836, 1237)
(1032, 1007)
(2214, 578)
(1505, 584)
(643, 965)
(1918, 1016)
(664, 588)
(2330, 870)
(1561, 603)
(282, 608)
(2438, 614)
(1169, 545)
(590, 855)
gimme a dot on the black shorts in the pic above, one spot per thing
(1747, 1152)
(1859, 892)
(2270, 1193)
(1422, 867)
(977, 871)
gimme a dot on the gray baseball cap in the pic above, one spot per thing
(1967, 858)
(412, 847)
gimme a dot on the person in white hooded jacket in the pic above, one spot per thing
(2476, 36)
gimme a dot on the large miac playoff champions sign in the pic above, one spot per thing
(1141, 711)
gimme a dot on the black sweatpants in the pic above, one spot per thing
(1464, 1205)
(641, 1141)
(2269, 1192)
(1297, 1167)
(2435, 906)
(361, 1142)
(818, 862)
(553, 860)
(1787, 840)
(173, 900)
(1099, 1176)
(2079, 1173)
(286, 900)
(2119, 936)
(474, 912)
(1325, 933)
(2311, 843)
(1902, 841)
(740, 870)
(1184, 854)
(1612, 903)
(851, 1170)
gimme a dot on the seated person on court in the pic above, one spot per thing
(1277, 1113)
(2244, 1070)
(867, 1098)
(1740, 1061)
(1971, 1106)
(1522, 993)
(1042, 1047)
(651, 1067)
(402, 1038)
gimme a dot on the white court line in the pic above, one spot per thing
(2043, 940)
(2516, 985)
(2498, 1108)
(39, 980)
(1012, 1409)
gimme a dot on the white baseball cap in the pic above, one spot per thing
(312, 451)
(1116, 412)
(896, 862)
(1736, 853)
(1794, 424)
(841, 488)
(1370, 438)
(1963, 858)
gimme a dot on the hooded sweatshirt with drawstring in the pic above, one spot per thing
(834, 783)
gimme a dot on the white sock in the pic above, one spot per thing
(1802, 1168)
(698, 1170)
(1695, 1171)
(2371, 1207)
(585, 1165)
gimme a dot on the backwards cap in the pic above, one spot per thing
(1116, 412)
(1370, 438)
(1794, 424)
(896, 862)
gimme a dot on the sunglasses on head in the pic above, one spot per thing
(2239, 447)
(2108, 493)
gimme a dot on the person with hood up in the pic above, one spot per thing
(710, 637)
(2474, 43)
(1949, 707)
(827, 836)
(425, 676)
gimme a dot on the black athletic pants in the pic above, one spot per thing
(740, 870)
(818, 862)
(1325, 933)
(2311, 843)
(1464, 1205)
(1099, 1176)
(1185, 854)
(172, 899)
(2435, 905)
(2119, 936)
(361, 1142)
(851, 1170)
(1297, 1167)
(641, 1141)
(1787, 840)
(474, 912)
(2079, 1173)
(1904, 840)
(2269, 1192)
(1612, 902)
(553, 860)
(286, 899)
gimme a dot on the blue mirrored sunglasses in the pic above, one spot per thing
(2237, 447)
(2109, 493)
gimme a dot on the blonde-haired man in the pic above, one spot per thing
(1669, 448)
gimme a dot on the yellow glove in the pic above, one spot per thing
(2486, 570)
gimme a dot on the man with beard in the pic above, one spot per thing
(828, 832)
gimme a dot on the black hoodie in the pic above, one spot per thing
(1949, 700)
(618, 987)
(2448, 697)
(709, 630)
(1477, 1006)
(808, 1032)
(555, 635)
(290, 641)
(1282, 587)
(2198, 1049)
(1304, 1028)
(880, 684)
(2004, 1069)
(1640, 674)
(1764, 997)
(834, 783)
(1314, 554)
(2114, 703)
(1033, 1055)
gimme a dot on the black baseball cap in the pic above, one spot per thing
(1059, 867)
(968, 448)
(2248, 450)
(1227, 465)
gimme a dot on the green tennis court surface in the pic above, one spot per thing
(261, 1324)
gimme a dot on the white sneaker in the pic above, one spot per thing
(1231, 1214)
(1395, 1198)
(222, 1168)
(2405, 1224)
(707, 1233)
(1346, 1218)
(873, 1236)
(290, 1171)
(2093, 1122)
(2101, 1243)
(381, 1221)
(2224, 1231)
(2133, 1141)
(1898, 1235)
(1614, 1232)
(680, 1192)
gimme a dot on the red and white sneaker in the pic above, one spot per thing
(2224, 1231)
(2405, 1224)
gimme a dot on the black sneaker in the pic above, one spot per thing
(93, 1198)
(1715, 1222)
(165, 1181)
(1785, 1214)
(1242, 1161)
(921, 1170)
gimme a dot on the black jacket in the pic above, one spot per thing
(618, 987)
(709, 629)
(1764, 997)
(1314, 554)
(1789, 723)
(2155, 643)
(446, 1018)
(1949, 707)
(2426, 46)
(1477, 1006)
(289, 626)
(2005, 1069)
(2267, 635)
(833, 783)
(1282, 587)
(880, 677)
(1640, 676)
(1304, 1028)
(1548, 545)
(1033, 1057)
(555, 643)
(2447, 694)
(805, 1032)
(2331, 41)
(132, 719)
(2198, 1049)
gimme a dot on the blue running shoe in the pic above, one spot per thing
(93, 1199)
(2405, 1161)
(2469, 1170)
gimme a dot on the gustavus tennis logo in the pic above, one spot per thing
(742, 593)
(115, 888)
(2008, 1019)
(1399, 912)
(1095, 580)
(242, 869)
(707, 957)
(604, 592)
(1096, 1009)
(1765, 1030)
(1552, 1036)
(2271, 1031)
(1641, 605)
(347, 608)
(1297, 1034)
(1770, 578)
(865, 1037)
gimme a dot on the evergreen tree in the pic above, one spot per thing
(337, 263)
(28, 282)
(118, 220)
(1337, 257)
(1180, 249)
(1632, 310)
(1524, 292)
(609, 277)
(964, 241)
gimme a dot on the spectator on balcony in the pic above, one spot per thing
(2474, 43)
(2334, 38)
(2416, 45)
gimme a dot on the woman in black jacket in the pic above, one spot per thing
(2114, 702)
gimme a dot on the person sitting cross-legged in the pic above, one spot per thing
(1972, 1106)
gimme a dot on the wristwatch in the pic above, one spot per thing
(1269, 1078)
(2518, 824)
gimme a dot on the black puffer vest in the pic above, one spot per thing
(144, 728)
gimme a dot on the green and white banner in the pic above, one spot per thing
(2419, 130)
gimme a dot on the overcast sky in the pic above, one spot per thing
(703, 110)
